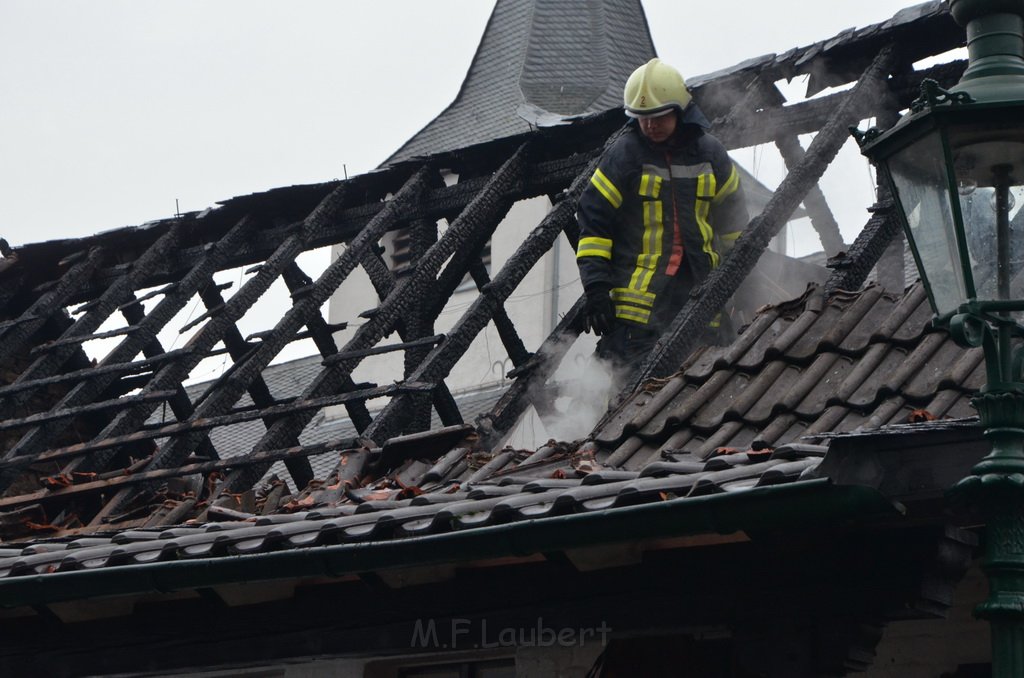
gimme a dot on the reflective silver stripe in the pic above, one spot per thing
(691, 171)
(628, 296)
(678, 171)
(633, 313)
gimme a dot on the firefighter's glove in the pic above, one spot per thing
(599, 312)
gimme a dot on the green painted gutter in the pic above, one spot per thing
(803, 504)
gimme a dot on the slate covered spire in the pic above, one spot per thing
(565, 57)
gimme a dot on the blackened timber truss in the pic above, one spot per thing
(82, 440)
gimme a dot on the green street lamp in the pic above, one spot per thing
(955, 168)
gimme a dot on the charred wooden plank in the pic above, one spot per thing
(15, 337)
(164, 311)
(383, 281)
(180, 404)
(387, 348)
(476, 317)
(178, 448)
(198, 425)
(765, 126)
(822, 219)
(72, 412)
(483, 214)
(126, 480)
(118, 370)
(322, 334)
(874, 240)
(546, 176)
(510, 338)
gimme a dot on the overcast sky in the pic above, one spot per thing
(112, 110)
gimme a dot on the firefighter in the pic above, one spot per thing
(662, 208)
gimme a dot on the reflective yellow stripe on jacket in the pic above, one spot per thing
(729, 187)
(604, 185)
(702, 207)
(594, 247)
(635, 302)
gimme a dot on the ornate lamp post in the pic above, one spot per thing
(955, 168)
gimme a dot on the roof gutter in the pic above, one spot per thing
(805, 504)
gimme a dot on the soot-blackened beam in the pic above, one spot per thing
(56, 415)
(807, 117)
(175, 451)
(14, 338)
(155, 320)
(484, 213)
(322, 336)
(117, 293)
(822, 219)
(688, 327)
(98, 486)
(181, 428)
(119, 370)
(419, 323)
(506, 329)
(383, 281)
(850, 272)
(547, 176)
(441, 360)
(180, 404)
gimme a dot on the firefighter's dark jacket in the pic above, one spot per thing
(655, 219)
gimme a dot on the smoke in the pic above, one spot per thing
(573, 400)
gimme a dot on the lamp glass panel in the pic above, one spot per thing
(919, 174)
(989, 164)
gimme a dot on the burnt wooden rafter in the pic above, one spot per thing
(383, 281)
(441, 360)
(176, 450)
(180, 404)
(53, 301)
(165, 310)
(761, 95)
(874, 241)
(319, 331)
(483, 213)
(419, 324)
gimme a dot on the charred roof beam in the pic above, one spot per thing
(484, 213)
(807, 117)
(383, 281)
(174, 451)
(546, 176)
(492, 297)
(130, 347)
(13, 339)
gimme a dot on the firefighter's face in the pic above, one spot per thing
(658, 128)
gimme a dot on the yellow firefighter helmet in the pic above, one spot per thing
(655, 88)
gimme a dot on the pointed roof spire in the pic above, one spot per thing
(566, 57)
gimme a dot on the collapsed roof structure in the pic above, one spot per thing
(101, 497)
